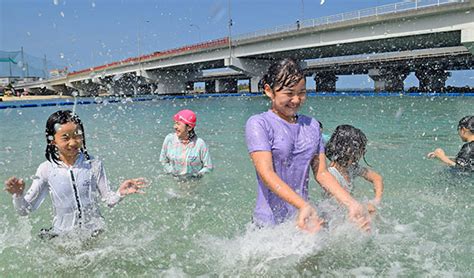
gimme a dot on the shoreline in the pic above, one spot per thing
(56, 100)
(26, 98)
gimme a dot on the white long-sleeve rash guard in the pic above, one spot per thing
(74, 192)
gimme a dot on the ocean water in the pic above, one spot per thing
(202, 227)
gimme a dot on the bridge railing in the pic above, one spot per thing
(355, 15)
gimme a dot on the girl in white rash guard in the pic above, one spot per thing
(73, 179)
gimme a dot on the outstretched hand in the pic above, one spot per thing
(360, 217)
(371, 209)
(437, 153)
(14, 185)
(308, 220)
(132, 186)
(372, 206)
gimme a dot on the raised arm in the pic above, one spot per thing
(25, 204)
(330, 184)
(307, 217)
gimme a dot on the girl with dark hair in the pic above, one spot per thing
(345, 148)
(283, 146)
(73, 178)
(183, 153)
(464, 160)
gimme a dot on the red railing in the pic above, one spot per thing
(144, 58)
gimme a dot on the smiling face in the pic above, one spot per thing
(181, 130)
(287, 101)
(68, 141)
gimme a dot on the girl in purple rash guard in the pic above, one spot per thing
(283, 146)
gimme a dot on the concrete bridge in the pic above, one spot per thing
(428, 37)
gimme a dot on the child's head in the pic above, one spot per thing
(284, 73)
(62, 127)
(466, 127)
(346, 146)
(185, 122)
(285, 85)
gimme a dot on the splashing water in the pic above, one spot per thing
(202, 227)
(74, 94)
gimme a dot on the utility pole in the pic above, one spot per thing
(45, 69)
(302, 10)
(138, 43)
(22, 63)
(10, 65)
(230, 29)
(199, 30)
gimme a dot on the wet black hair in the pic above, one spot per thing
(61, 117)
(284, 73)
(467, 122)
(347, 144)
(191, 134)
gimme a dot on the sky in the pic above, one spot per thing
(85, 33)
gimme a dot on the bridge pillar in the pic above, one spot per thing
(210, 86)
(254, 81)
(226, 85)
(325, 81)
(169, 82)
(256, 68)
(35, 91)
(169, 85)
(75, 88)
(388, 80)
(467, 38)
(432, 79)
(189, 86)
(62, 89)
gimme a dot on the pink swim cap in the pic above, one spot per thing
(186, 116)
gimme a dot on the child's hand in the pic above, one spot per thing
(359, 216)
(437, 153)
(308, 220)
(132, 186)
(372, 206)
(371, 209)
(15, 186)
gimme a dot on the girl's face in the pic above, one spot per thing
(181, 130)
(287, 101)
(68, 140)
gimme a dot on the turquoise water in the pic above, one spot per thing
(193, 228)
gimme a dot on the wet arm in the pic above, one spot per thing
(26, 203)
(441, 155)
(110, 197)
(377, 180)
(206, 160)
(165, 161)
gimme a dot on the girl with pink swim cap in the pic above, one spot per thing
(183, 153)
